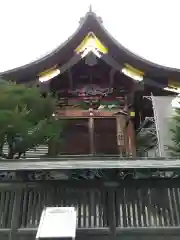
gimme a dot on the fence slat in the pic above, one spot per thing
(125, 207)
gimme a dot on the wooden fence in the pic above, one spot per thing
(130, 209)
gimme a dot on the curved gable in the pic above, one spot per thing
(90, 25)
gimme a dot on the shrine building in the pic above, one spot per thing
(100, 87)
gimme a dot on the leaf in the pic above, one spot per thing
(26, 118)
(175, 131)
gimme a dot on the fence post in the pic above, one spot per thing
(15, 215)
(111, 209)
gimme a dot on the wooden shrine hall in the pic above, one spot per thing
(99, 86)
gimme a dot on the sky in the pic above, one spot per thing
(29, 29)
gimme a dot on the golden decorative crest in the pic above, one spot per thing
(92, 44)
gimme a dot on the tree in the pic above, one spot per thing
(175, 131)
(26, 119)
(145, 141)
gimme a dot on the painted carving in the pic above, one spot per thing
(91, 90)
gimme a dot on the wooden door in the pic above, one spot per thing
(105, 136)
(76, 139)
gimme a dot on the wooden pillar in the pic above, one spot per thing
(70, 78)
(91, 135)
(131, 139)
(120, 135)
(118, 128)
(111, 76)
(45, 87)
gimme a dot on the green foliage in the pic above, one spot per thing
(26, 119)
(145, 141)
(175, 130)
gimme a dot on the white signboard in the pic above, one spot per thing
(57, 222)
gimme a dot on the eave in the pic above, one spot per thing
(64, 52)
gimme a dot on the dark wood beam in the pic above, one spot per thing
(77, 57)
(73, 61)
(70, 78)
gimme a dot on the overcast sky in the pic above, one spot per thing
(32, 28)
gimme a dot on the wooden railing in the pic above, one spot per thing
(104, 209)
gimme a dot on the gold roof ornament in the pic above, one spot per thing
(133, 72)
(47, 70)
(48, 74)
(91, 44)
(173, 86)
